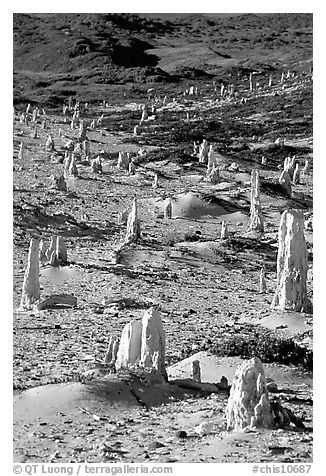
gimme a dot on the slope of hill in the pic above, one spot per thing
(63, 54)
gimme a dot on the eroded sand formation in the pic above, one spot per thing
(142, 345)
(292, 264)
(31, 284)
(256, 216)
(248, 404)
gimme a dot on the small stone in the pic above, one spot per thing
(155, 444)
(181, 434)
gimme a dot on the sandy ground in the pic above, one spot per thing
(206, 288)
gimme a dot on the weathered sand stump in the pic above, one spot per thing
(144, 115)
(133, 225)
(306, 167)
(82, 133)
(123, 161)
(168, 209)
(248, 403)
(58, 183)
(96, 165)
(52, 248)
(256, 216)
(130, 345)
(132, 168)
(136, 130)
(42, 252)
(86, 147)
(66, 163)
(285, 181)
(296, 174)
(111, 354)
(21, 151)
(49, 145)
(123, 217)
(69, 146)
(292, 264)
(196, 148)
(115, 348)
(211, 159)
(155, 181)
(214, 175)
(31, 284)
(73, 170)
(195, 371)
(290, 164)
(262, 282)
(61, 250)
(250, 83)
(152, 356)
(203, 152)
(279, 141)
(224, 230)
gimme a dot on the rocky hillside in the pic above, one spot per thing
(58, 55)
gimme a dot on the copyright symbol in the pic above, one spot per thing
(17, 469)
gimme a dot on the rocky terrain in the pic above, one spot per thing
(207, 288)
